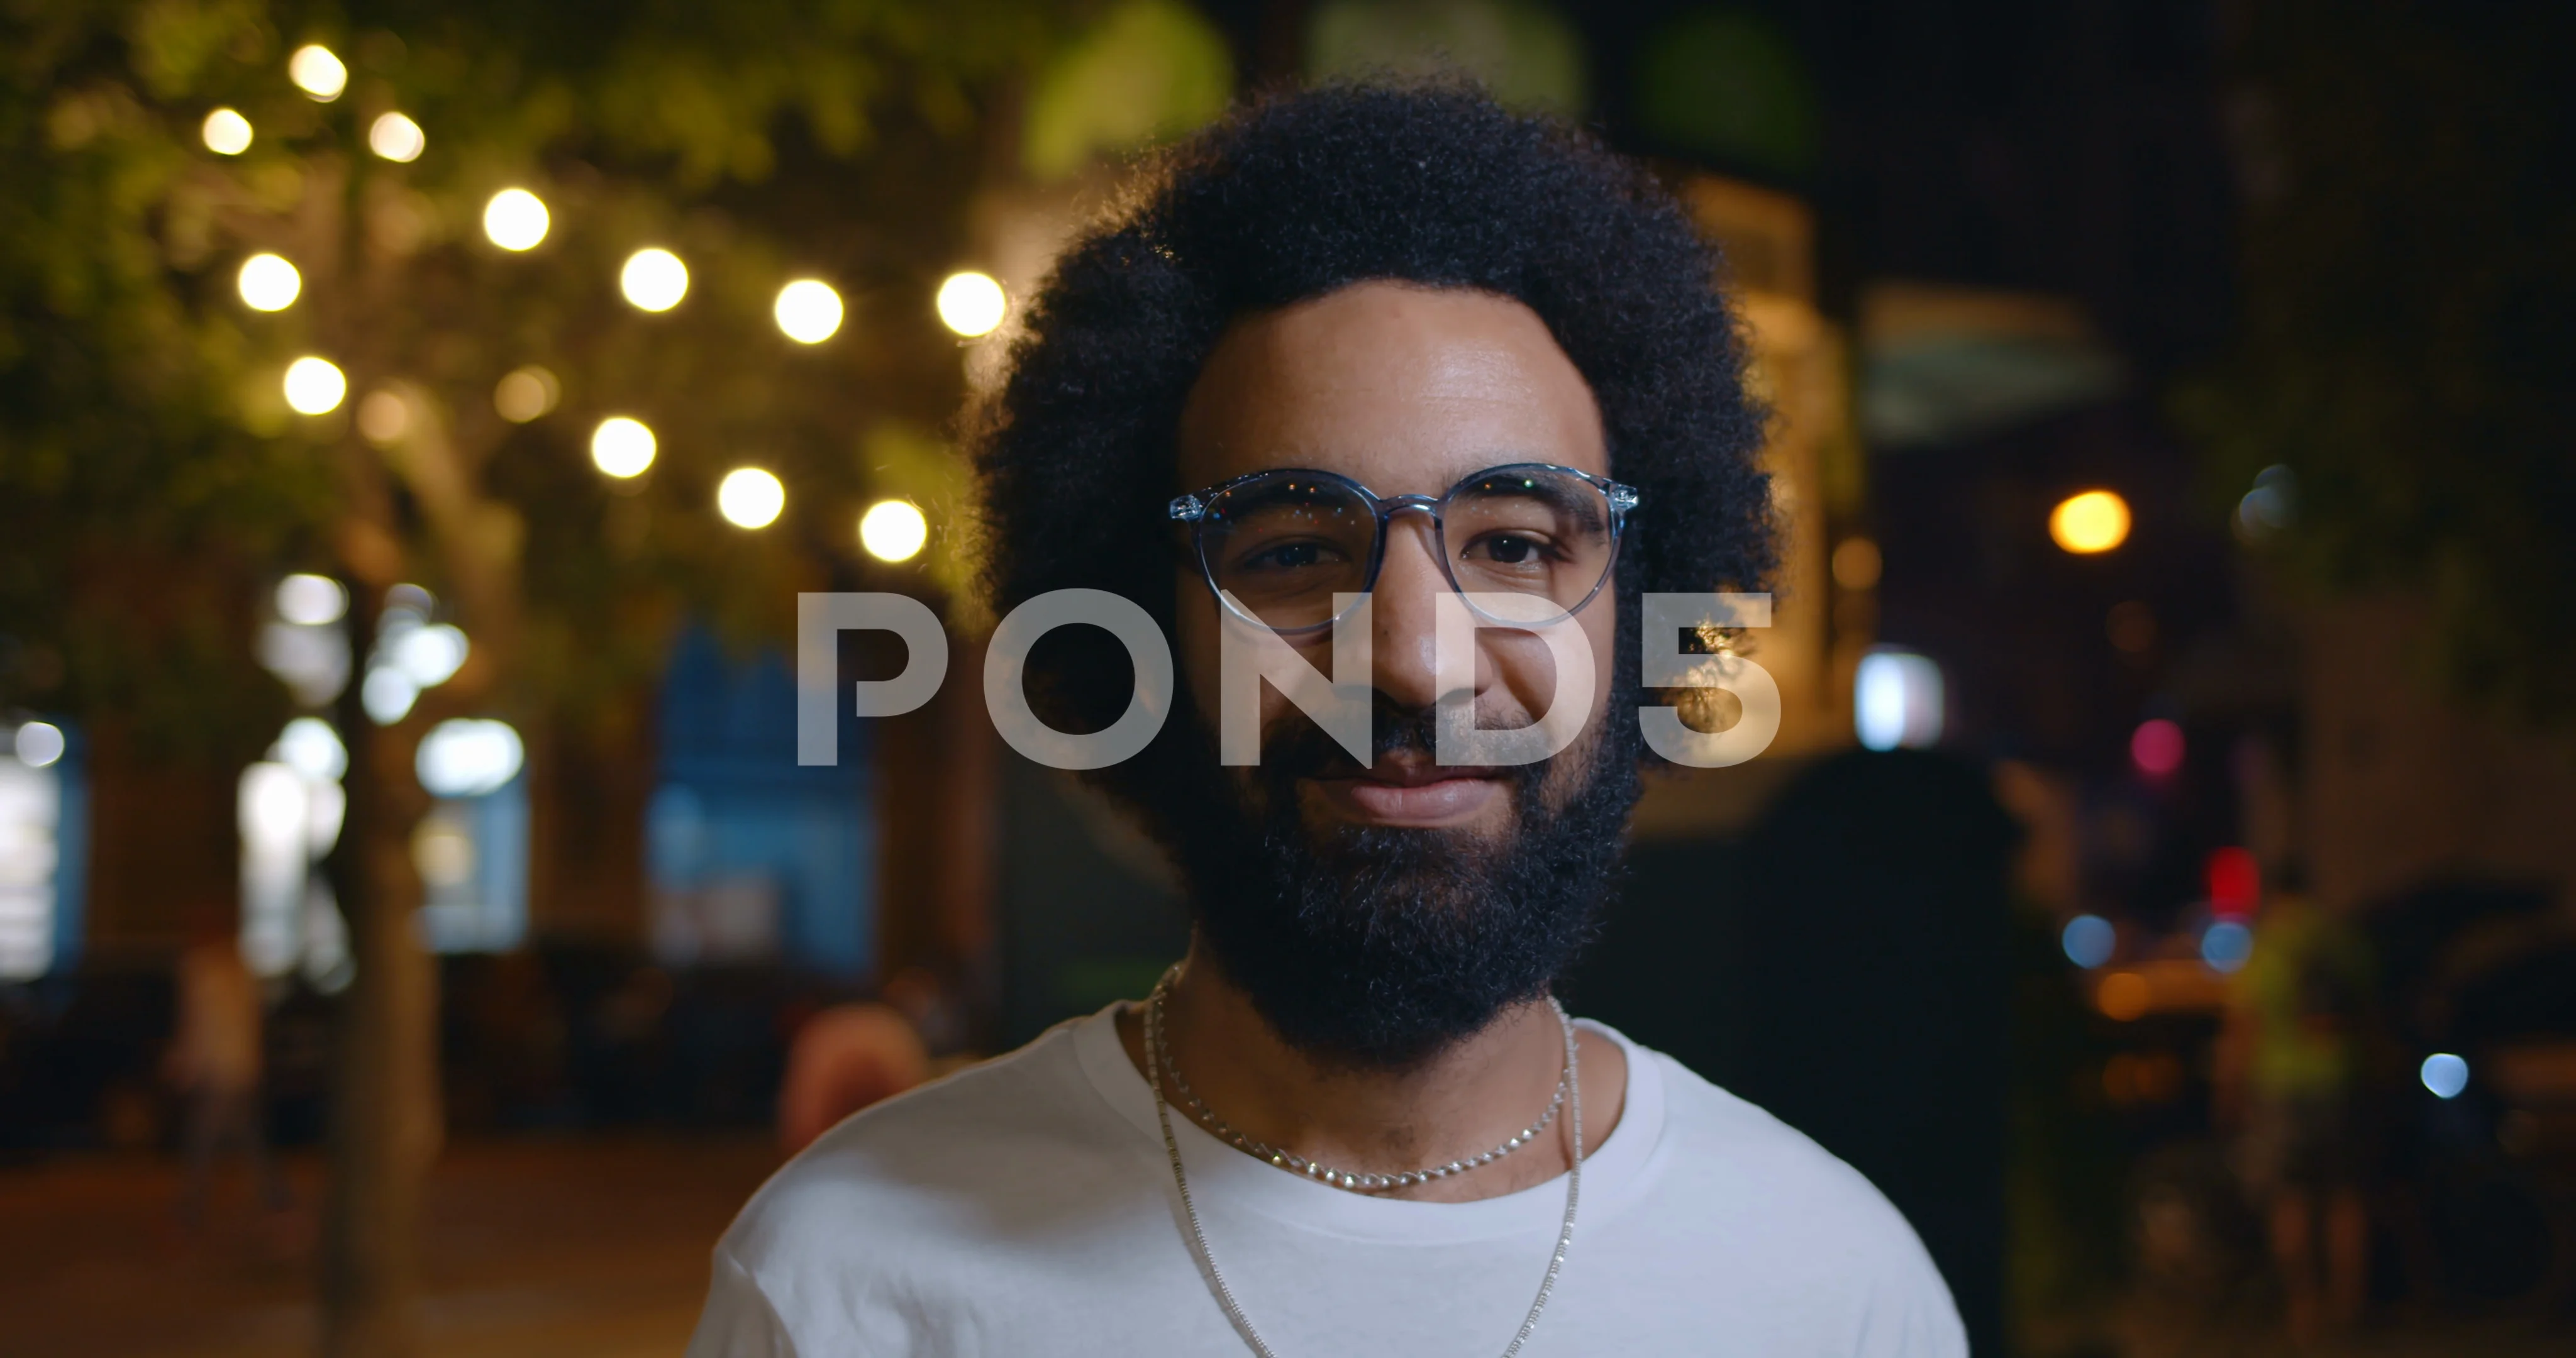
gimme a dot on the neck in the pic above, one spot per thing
(1461, 1101)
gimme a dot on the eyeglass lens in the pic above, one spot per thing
(1284, 545)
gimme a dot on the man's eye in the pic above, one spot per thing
(1509, 549)
(1287, 556)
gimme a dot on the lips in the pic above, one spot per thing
(1414, 792)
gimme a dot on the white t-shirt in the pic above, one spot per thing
(1025, 1206)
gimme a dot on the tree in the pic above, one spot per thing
(156, 479)
(2409, 319)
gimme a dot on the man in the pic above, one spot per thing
(1400, 344)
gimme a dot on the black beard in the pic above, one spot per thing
(1381, 947)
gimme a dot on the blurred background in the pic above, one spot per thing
(417, 934)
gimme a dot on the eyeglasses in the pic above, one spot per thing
(1278, 545)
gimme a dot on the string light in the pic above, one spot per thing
(317, 72)
(972, 303)
(227, 133)
(315, 386)
(750, 498)
(654, 280)
(397, 138)
(808, 311)
(515, 219)
(268, 283)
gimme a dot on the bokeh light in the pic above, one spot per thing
(893, 530)
(268, 283)
(1856, 563)
(808, 311)
(2094, 521)
(654, 279)
(384, 417)
(515, 219)
(38, 744)
(2156, 747)
(309, 746)
(227, 133)
(311, 600)
(2124, 996)
(2088, 940)
(315, 386)
(430, 654)
(2444, 1074)
(467, 757)
(749, 497)
(397, 138)
(621, 446)
(1897, 700)
(526, 393)
(2226, 945)
(972, 303)
(317, 72)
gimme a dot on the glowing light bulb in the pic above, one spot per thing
(397, 138)
(227, 133)
(893, 530)
(315, 386)
(750, 498)
(268, 283)
(972, 303)
(622, 447)
(2094, 521)
(654, 280)
(318, 73)
(808, 311)
(515, 219)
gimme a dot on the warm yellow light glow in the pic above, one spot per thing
(384, 417)
(808, 310)
(622, 447)
(972, 303)
(315, 386)
(2094, 521)
(526, 393)
(397, 138)
(318, 73)
(227, 133)
(893, 530)
(654, 279)
(268, 283)
(750, 498)
(515, 219)
(1856, 563)
(2124, 995)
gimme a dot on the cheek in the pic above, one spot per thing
(1524, 669)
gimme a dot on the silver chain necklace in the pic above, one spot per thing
(1343, 1179)
(1157, 1058)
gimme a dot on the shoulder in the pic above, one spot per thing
(1753, 1187)
(928, 1159)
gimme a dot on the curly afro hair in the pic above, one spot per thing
(1293, 197)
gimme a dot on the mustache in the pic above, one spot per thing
(1294, 747)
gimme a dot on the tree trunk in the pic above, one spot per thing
(384, 1093)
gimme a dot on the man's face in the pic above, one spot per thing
(1378, 913)
(1406, 390)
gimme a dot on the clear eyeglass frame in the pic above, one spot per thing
(1194, 509)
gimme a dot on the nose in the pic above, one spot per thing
(1404, 640)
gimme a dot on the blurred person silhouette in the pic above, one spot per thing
(215, 1061)
(847, 1057)
(2289, 1080)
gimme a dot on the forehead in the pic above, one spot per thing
(1405, 389)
